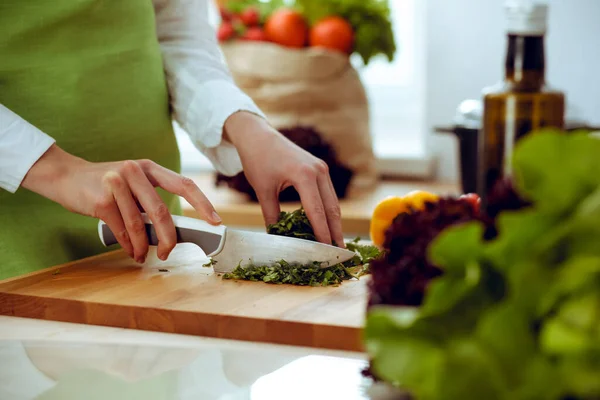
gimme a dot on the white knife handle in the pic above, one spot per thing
(209, 238)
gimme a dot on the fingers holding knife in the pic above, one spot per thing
(129, 190)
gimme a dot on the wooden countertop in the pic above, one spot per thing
(38, 330)
(237, 210)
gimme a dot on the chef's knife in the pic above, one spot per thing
(229, 248)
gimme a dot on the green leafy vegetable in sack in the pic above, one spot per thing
(517, 316)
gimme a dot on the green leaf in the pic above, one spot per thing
(558, 337)
(410, 363)
(459, 300)
(584, 227)
(580, 376)
(445, 292)
(367, 253)
(578, 274)
(457, 246)
(576, 327)
(407, 356)
(556, 169)
(507, 331)
(470, 372)
(399, 356)
(536, 373)
(516, 231)
(463, 308)
(387, 320)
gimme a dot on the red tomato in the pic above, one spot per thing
(225, 14)
(334, 33)
(250, 16)
(225, 31)
(254, 33)
(287, 28)
(473, 199)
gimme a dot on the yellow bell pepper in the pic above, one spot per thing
(390, 207)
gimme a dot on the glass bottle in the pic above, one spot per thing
(523, 102)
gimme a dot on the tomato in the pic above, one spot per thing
(334, 33)
(225, 32)
(473, 199)
(250, 16)
(287, 28)
(225, 14)
(254, 34)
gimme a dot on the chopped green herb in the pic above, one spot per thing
(296, 224)
(295, 274)
(209, 264)
(293, 224)
(365, 252)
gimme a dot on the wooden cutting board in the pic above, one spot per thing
(181, 296)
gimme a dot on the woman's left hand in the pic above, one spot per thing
(272, 163)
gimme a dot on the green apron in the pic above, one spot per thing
(89, 73)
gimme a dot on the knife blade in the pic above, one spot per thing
(229, 248)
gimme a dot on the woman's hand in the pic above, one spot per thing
(272, 163)
(117, 193)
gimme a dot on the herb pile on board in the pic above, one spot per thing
(515, 311)
(296, 224)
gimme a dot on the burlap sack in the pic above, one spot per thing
(310, 87)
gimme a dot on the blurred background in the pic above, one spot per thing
(448, 51)
(387, 92)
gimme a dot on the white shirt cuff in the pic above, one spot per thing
(21, 145)
(213, 103)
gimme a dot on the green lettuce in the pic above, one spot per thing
(517, 317)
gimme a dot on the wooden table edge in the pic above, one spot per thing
(131, 317)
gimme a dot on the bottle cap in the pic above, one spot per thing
(526, 17)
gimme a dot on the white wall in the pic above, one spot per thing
(465, 52)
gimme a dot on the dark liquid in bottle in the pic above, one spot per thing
(522, 103)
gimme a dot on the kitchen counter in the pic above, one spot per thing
(45, 359)
(237, 210)
(56, 360)
(182, 296)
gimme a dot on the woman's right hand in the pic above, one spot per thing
(117, 193)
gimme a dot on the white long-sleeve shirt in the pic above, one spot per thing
(203, 95)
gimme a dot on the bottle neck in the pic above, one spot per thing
(525, 66)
